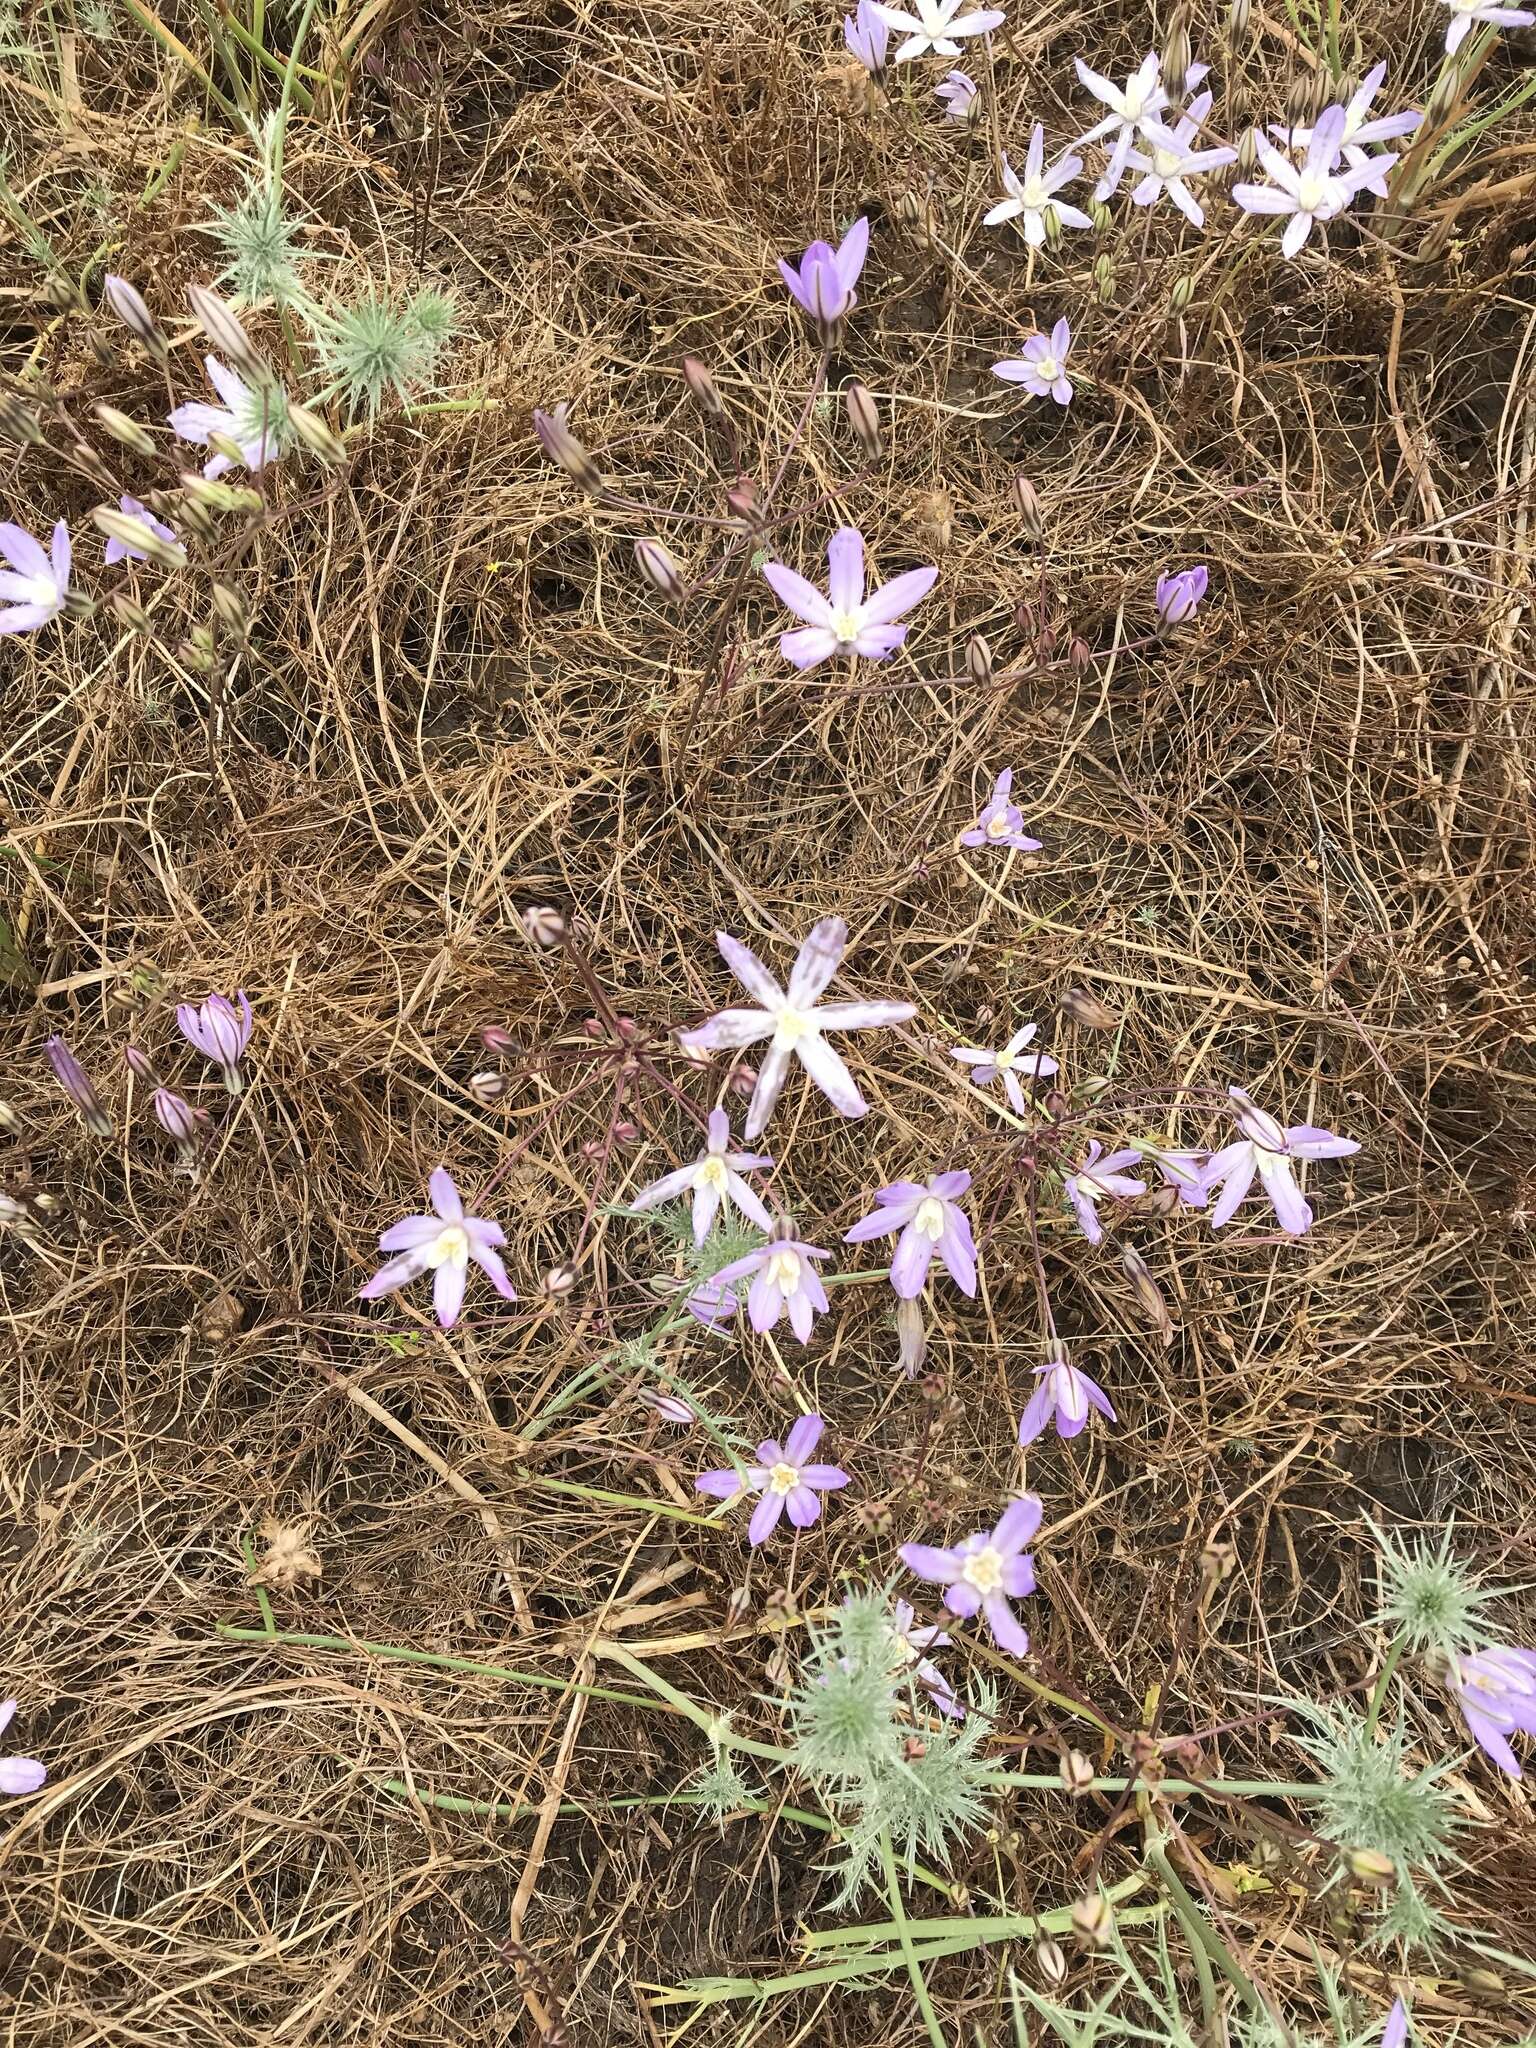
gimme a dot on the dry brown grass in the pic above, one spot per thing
(1293, 849)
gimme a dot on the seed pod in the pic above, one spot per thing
(230, 610)
(1093, 1920)
(545, 925)
(488, 1087)
(222, 327)
(1027, 498)
(1149, 1296)
(122, 300)
(90, 464)
(1369, 1866)
(560, 1281)
(1086, 1009)
(63, 294)
(1076, 1773)
(1239, 22)
(1176, 54)
(140, 535)
(1051, 1962)
(562, 447)
(194, 517)
(659, 570)
(1179, 298)
(1104, 280)
(18, 424)
(701, 389)
(863, 418)
(978, 661)
(312, 433)
(78, 606)
(130, 615)
(1301, 101)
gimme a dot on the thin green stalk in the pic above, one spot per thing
(1176, 1788)
(1379, 1690)
(904, 1935)
(715, 1726)
(147, 18)
(248, 1552)
(275, 65)
(1203, 1936)
(617, 1500)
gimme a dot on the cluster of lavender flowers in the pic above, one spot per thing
(218, 1028)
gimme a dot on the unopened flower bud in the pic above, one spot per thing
(742, 1080)
(18, 423)
(1050, 220)
(978, 661)
(496, 1038)
(179, 1120)
(78, 606)
(1442, 101)
(1369, 1866)
(1102, 215)
(195, 518)
(229, 609)
(76, 1083)
(207, 491)
(545, 925)
(1055, 1104)
(1239, 22)
(139, 535)
(124, 430)
(562, 447)
(1086, 1009)
(670, 1407)
(487, 1087)
(1104, 279)
(1080, 654)
(139, 1066)
(63, 294)
(1051, 1962)
(123, 301)
(1161, 1201)
(744, 502)
(1247, 153)
(130, 615)
(701, 389)
(222, 326)
(311, 432)
(1093, 1920)
(863, 418)
(911, 1337)
(196, 653)
(625, 1132)
(1179, 298)
(10, 1120)
(89, 463)
(1176, 53)
(1076, 1773)
(737, 1606)
(1482, 1982)
(1027, 499)
(660, 571)
(1149, 1296)
(559, 1281)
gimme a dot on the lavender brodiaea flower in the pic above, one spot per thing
(33, 589)
(1179, 595)
(1143, 96)
(120, 550)
(985, 1572)
(1358, 130)
(1395, 2033)
(1011, 1061)
(714, 1177)
(795, 1021)
(442, 1244)
(1465, 12)
(219, 1032)
(180, 1121)
(934, 25)
(1096, 1179)
(18, 1774)
(1064, 1396)
(1170, 158)
(1268, 1149)
(1000, 822)
(1315, 191)
(1184, 1172)
(1029, 196)
(77, 1085)
(910, 1644)
(845, 621)
(1496, 1688)
(784, 1280)
(711, 1304)
(823, 286)
(1042, 366)
(784, 1478)
(866, 34)
(257, 420)
(932, 1225)
(958, 92)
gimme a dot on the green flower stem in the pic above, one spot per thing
(713, 1725)
(904, 1936)
(1176, 1788)
(1205, 1941)
(1383, 1680)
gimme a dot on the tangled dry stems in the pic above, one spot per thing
(1293, 849)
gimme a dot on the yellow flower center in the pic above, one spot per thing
(984, 1570)
(449, 1248)
(793, 1025)
(1165, 163)
(1003, 1060)
(782, 1478)
(997, 828)
(1034, 195)
(1048, 368)
(846, 626)
(784, 1271)
(1311, 191)
(929, 1220)
(711, 1173)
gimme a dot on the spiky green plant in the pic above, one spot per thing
(1429, 1599)
(381, 346)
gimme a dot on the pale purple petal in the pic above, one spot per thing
(411, 1232)
(765, 1518)
(802, 1506)
(491, 1266)
(724, 1485)
(448, 1292)
(749, 971)
(827, 1070)
(845, 568)
(802, 598)
(445, 1196)
(909, 1267)
(1008, 1631)
(930, 1562)
(803, 1438)
(1018, 1523)
(818, 960)
(899, 595)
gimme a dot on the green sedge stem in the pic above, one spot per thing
(1204, 1937)
(1383, 1680)
(904, 1936)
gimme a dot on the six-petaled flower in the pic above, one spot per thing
(34, 587)
(1142, 97)
(1309, 193)
(934, 25)
(1269, 1150)
(1041, 366)
(255, 419)
(1000, 822)
(1359, 129)
(1170, 158)
(784, 1478)
(844, 620)
(958, 92)
(932, 1225)
(784, 1282)
(714, 1177)
(1179, 596)
(219, 1031)
(1008, 1063)
(1100, 1177)
(823, 285)
(1497, 1691)
(1064, 1396)
(443, 1245)
(1029, 196)
(985, 1572)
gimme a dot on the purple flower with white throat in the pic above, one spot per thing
(845, 621)
(1000, 822)
(122, 551)
(1008, 1063)
(1497, 1691)
(932, 1225)
(1101, 1178)
(1179, 596)
(958, 92)
(1465, 12)
(1313, 192)
(219, 1031)
(823, 286)
(442, 1244)
(784, 1281)
(714, 1177)
(784, 1478)
(1170, 158)
(1142, 97)
(1269, 1150)
(255, 419)
(867, 35)
(1042, 366)
(18, 1774)
(910, 1644)
(1360, 129)
(985, 1572)
(34, 587)
(1029, 196)
(1064, 1396)
(934, 25)
(795, 1020)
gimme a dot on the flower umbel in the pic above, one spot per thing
(714, 1177)
(986, 1571)
(442, 1244)
(219, 1032)
(795, 1021)
(932, 1225)
(784, 1478)
(845, 621)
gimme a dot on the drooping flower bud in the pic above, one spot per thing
(1086, 1009)
(1247, 153)
(487, 1087)
(864, 418)
(18, 423)
(1176, 55)
(702, 389)
(123, 301)
(76, 1083)
(670, 1407)
(1076, 1773)
(130, 615)
(1080, 654)
(89, 463)
(180, 1121)
(1149, 1296)
(312, 433)
(138, 1065)
(978, 660)
(1051, 1962)
(229, 608)
(496, 1038)
(1239, 23)
(140, 536)
(1093, 1920)
(659, 570)
(742, 497)
(912, 1337)
(1027, 498)
(222, 326)
(545, 925)
(124, 430)
(560, 1281)
(562, 447)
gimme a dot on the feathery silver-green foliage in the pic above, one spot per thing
(1430, 1599)
(721, 1789)
(259, 242)
(381, 345)
(866, 1734)
(1371, 1796)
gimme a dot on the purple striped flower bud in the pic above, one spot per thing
(219, 1032)
(75, 1082)
(139, 1067)
(122, 299)
(656, 565)
(1179, 595)
(183, 1124)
